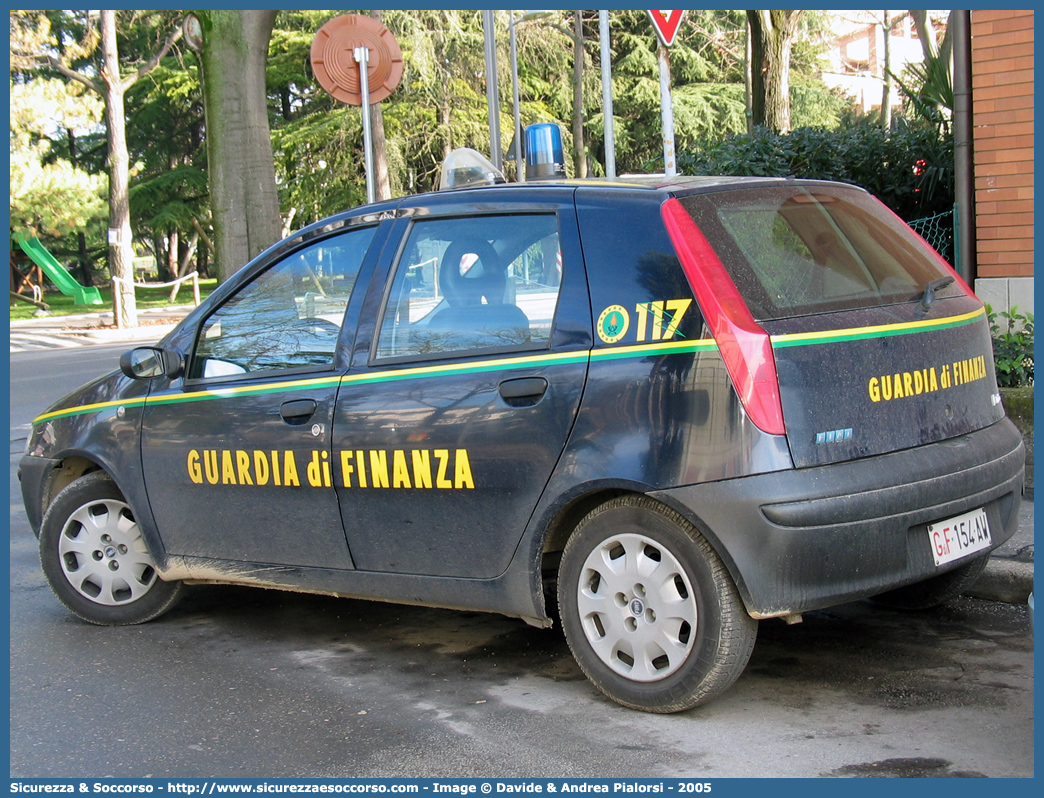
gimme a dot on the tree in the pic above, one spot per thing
(548, 44)
(244, 200)
(441, 102)
(706, 85)
(167, 146)
(317, 140)
(111, 85)
(772, 37)
(926, 34)
(929, 85)
(439, 105)
(49, 194)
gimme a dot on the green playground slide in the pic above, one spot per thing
(57, 273)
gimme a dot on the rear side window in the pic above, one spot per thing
(473, 284)
(798, 250)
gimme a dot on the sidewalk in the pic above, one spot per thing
(1009, 573)
(60, 332)
(1008, 576)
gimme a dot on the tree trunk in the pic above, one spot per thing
(183, 268)
(170, 269)
(579, 151)
(85, 260)
(121, 253)
(244, 201)
(81, 238)
(925, 33)
(946, 48)
(382, 181)
(381, 178)
(772, 36)
(446, 119)
(748, 59)
(886, 89)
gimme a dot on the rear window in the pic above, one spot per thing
(797, 250)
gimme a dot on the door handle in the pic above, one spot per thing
(524, 391)
(297, 411)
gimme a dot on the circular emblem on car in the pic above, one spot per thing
(613, 323)
(637, 608)
(110, 552)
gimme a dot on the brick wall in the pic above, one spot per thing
(1002, 107)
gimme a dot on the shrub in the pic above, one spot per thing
(1012, 334)
(909, 168)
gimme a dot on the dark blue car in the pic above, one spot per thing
(669, 407)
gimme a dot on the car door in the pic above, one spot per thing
(458, 405)
(236, 456)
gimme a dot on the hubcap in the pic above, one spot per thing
(637, 607)
(103, 554)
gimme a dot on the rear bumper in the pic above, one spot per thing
(809, 538)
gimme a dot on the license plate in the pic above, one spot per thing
(959, 536)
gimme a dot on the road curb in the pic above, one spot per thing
(152, 331)
(1006, 580)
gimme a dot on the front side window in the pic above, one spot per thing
(468, 285)
(289, 316)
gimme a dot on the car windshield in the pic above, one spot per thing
(797, 250)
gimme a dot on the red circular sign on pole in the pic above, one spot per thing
(334, 64)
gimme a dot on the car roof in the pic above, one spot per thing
(652, 183)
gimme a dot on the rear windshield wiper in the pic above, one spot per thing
(929, 290)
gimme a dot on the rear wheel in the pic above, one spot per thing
(936, 591)
(649, 610)
(95, 559)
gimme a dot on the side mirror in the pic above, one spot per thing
(146, 362)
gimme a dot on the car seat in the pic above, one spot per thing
(470, 323)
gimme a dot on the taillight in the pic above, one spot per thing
(745, 347)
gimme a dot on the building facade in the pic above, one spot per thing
(1002, 110)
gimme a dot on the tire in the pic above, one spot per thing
(94, 557)
(649, 610)
(936, 591)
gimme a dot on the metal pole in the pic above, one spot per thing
(362, 58)
(607, 96)
(492, 100)
(963, 149)
(667, 113)
(519, 171)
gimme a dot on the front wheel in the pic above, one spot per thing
(95, 559)
(649, 610)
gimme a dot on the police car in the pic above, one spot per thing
(685, 404)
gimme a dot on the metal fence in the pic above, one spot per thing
(940, 231)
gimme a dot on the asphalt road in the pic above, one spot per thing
(241, 682)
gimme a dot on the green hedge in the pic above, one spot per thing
(910, 168)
